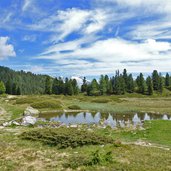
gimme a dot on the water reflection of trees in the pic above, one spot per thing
(111, 118)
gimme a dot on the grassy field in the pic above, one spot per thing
(116, 104)
(130, 149)
(19, 154)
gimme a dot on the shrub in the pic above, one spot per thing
(96, 158)
(74, 107)
(47, 104)
(101, 100)
(27, 100)
(64, 137)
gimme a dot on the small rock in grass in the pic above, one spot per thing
(15, 123)
(7, 124)
(73, 126)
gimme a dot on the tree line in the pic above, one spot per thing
(123, 83)
(20, 82)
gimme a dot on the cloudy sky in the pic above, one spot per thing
(85, 37)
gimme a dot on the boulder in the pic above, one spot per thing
(28, 120)
(31, 111)
(7, 124)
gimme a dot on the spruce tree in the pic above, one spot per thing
(167, 80)
(69, 88)
(55, 86)
(14, 89)
(84, 86)
(93, 89)
(160, 88)
(103, 85)
(2, 88)
(119, 84)
(155, 78)
(109, 87)
(141, 83)
(130, 84)
(48, 86)
(18, 91)
(125, 77)
(149, 86)
(8, 87)
(75, 87)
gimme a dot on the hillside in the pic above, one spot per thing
(28, 82)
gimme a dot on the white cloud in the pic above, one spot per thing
(72, 20)
(163, 6)
(110, 54)
(158, 29)
(26, 5)
(6, 50)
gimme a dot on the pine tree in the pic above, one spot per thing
(93, 89)
(141, 83)
(109, 87)
(84, 86)
(125, 77)
(8, 87)
(18, 91)
(149, 86)
(119, 84)
(48, 86)
(160, 88)
(103, 85)
(155, 78)
(130, 84)
(167, 80)
(55, 86)
(69, 88)
(2, 88)
(75, 87)
(14, 89)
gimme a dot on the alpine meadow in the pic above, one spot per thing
(85, 85)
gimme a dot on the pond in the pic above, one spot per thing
(113, 120)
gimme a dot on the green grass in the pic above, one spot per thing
(19, 154)
(157, 131)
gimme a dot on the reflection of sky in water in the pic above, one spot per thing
(146, 117)
(108, 119)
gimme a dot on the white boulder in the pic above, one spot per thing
(31, 111)
(28, 120)
(7, 124)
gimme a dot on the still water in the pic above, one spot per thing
(113, 120)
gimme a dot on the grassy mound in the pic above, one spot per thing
(64, 137)
(26, 100)
(52, 104)
(74, 107)
(101, 100)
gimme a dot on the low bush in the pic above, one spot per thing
(74, 107)
(52, 104)
(64, 137)
(27, 100)
(96, 158)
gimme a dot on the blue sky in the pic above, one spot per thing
(85, 37)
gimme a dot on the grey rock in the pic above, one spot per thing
(16, 123)
(7, 124)
(31, 111)
(28, 120)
